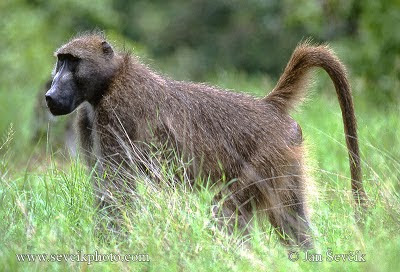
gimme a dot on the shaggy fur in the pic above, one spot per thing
(252, 141)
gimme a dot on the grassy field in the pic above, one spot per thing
(47, 205)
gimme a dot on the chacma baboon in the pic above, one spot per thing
(252, 141)
(47, 129)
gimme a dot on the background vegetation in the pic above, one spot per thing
(46, 202)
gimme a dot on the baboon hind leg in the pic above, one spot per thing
(281, 197)
(233, 209)
(284, 203)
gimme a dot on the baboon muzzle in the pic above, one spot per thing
(61, 97)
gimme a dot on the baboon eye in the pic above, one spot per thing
(70, 59)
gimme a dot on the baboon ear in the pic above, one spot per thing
(107, 49)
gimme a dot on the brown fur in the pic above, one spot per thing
(254, 141)
(291, 86)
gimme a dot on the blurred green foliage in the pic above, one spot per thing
(259, 36)
(196, 40)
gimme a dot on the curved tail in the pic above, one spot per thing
(291, 88)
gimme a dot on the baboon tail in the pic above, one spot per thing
(291, 88)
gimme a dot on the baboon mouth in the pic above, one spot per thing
(58, 111)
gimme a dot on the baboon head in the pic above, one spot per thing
(84, 69)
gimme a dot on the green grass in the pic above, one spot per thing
(48, 206)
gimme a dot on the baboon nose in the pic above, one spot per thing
(49, 99)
